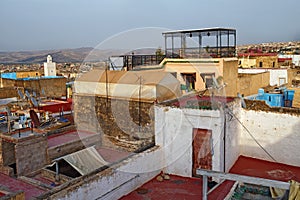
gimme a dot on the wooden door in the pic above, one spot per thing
(202, 147)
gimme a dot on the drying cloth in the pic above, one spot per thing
(294, 190)
(277, 192)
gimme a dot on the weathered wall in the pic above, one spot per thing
(31, 154)
(248, 84)
(7, 153)
(230, 76)
(8, 92)
(114, 182)
(53, 87)
(7, 82)
(278, 133)
(294, 76)
(247, 62)
(267, 61)
(117, 120)
(275, 74)
(26, 74)
(174, 134)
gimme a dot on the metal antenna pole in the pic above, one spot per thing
(140, 94)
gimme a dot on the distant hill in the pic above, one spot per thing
(60, 56)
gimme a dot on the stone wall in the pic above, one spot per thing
(119, 121)
(267, 61)
(7, 82)
(7, 153)
(53, 87)
(31, 154)
(8, 92)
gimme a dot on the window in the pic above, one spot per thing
(260, 64)
(208, 79)
(273, 64)
(190, 79)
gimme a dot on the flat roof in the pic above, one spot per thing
(15, 185)
(200, 30)
(191, 188)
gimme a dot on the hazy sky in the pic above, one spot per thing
(56, 24)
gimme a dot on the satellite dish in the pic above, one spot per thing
(34, 102)
(27, 94)
(21, 95)
(215, 82)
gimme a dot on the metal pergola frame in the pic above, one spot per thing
(219, 50)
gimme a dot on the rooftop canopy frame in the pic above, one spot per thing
(221, 48)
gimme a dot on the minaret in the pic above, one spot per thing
(49, 67)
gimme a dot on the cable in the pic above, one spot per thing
(283, 167)
(252, 136)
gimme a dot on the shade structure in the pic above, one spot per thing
(85, 161)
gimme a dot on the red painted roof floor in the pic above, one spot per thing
(15, 185)
(112, 155)
(191, 188)
(59, 139)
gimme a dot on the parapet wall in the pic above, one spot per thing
(124, 124)
(277, 132)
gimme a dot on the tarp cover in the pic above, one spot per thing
(135, 85)
(85, 161)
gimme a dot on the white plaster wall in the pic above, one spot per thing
(233, 129)
(276, 74)
(174, 131)
(277, 133)
(125, 177)
(50, 69)
(295, 58)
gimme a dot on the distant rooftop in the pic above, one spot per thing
(13, 76)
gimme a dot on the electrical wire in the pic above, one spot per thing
(231, 113)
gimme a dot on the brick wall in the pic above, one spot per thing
(31, 154)
(117, 120)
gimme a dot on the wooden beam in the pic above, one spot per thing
(242, 178)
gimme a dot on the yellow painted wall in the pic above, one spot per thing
(267, 61)
(28, 74)
(253, 62)
(247, 62)
(225, 69)
(202, 66)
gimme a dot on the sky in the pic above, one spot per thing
(60, 24)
